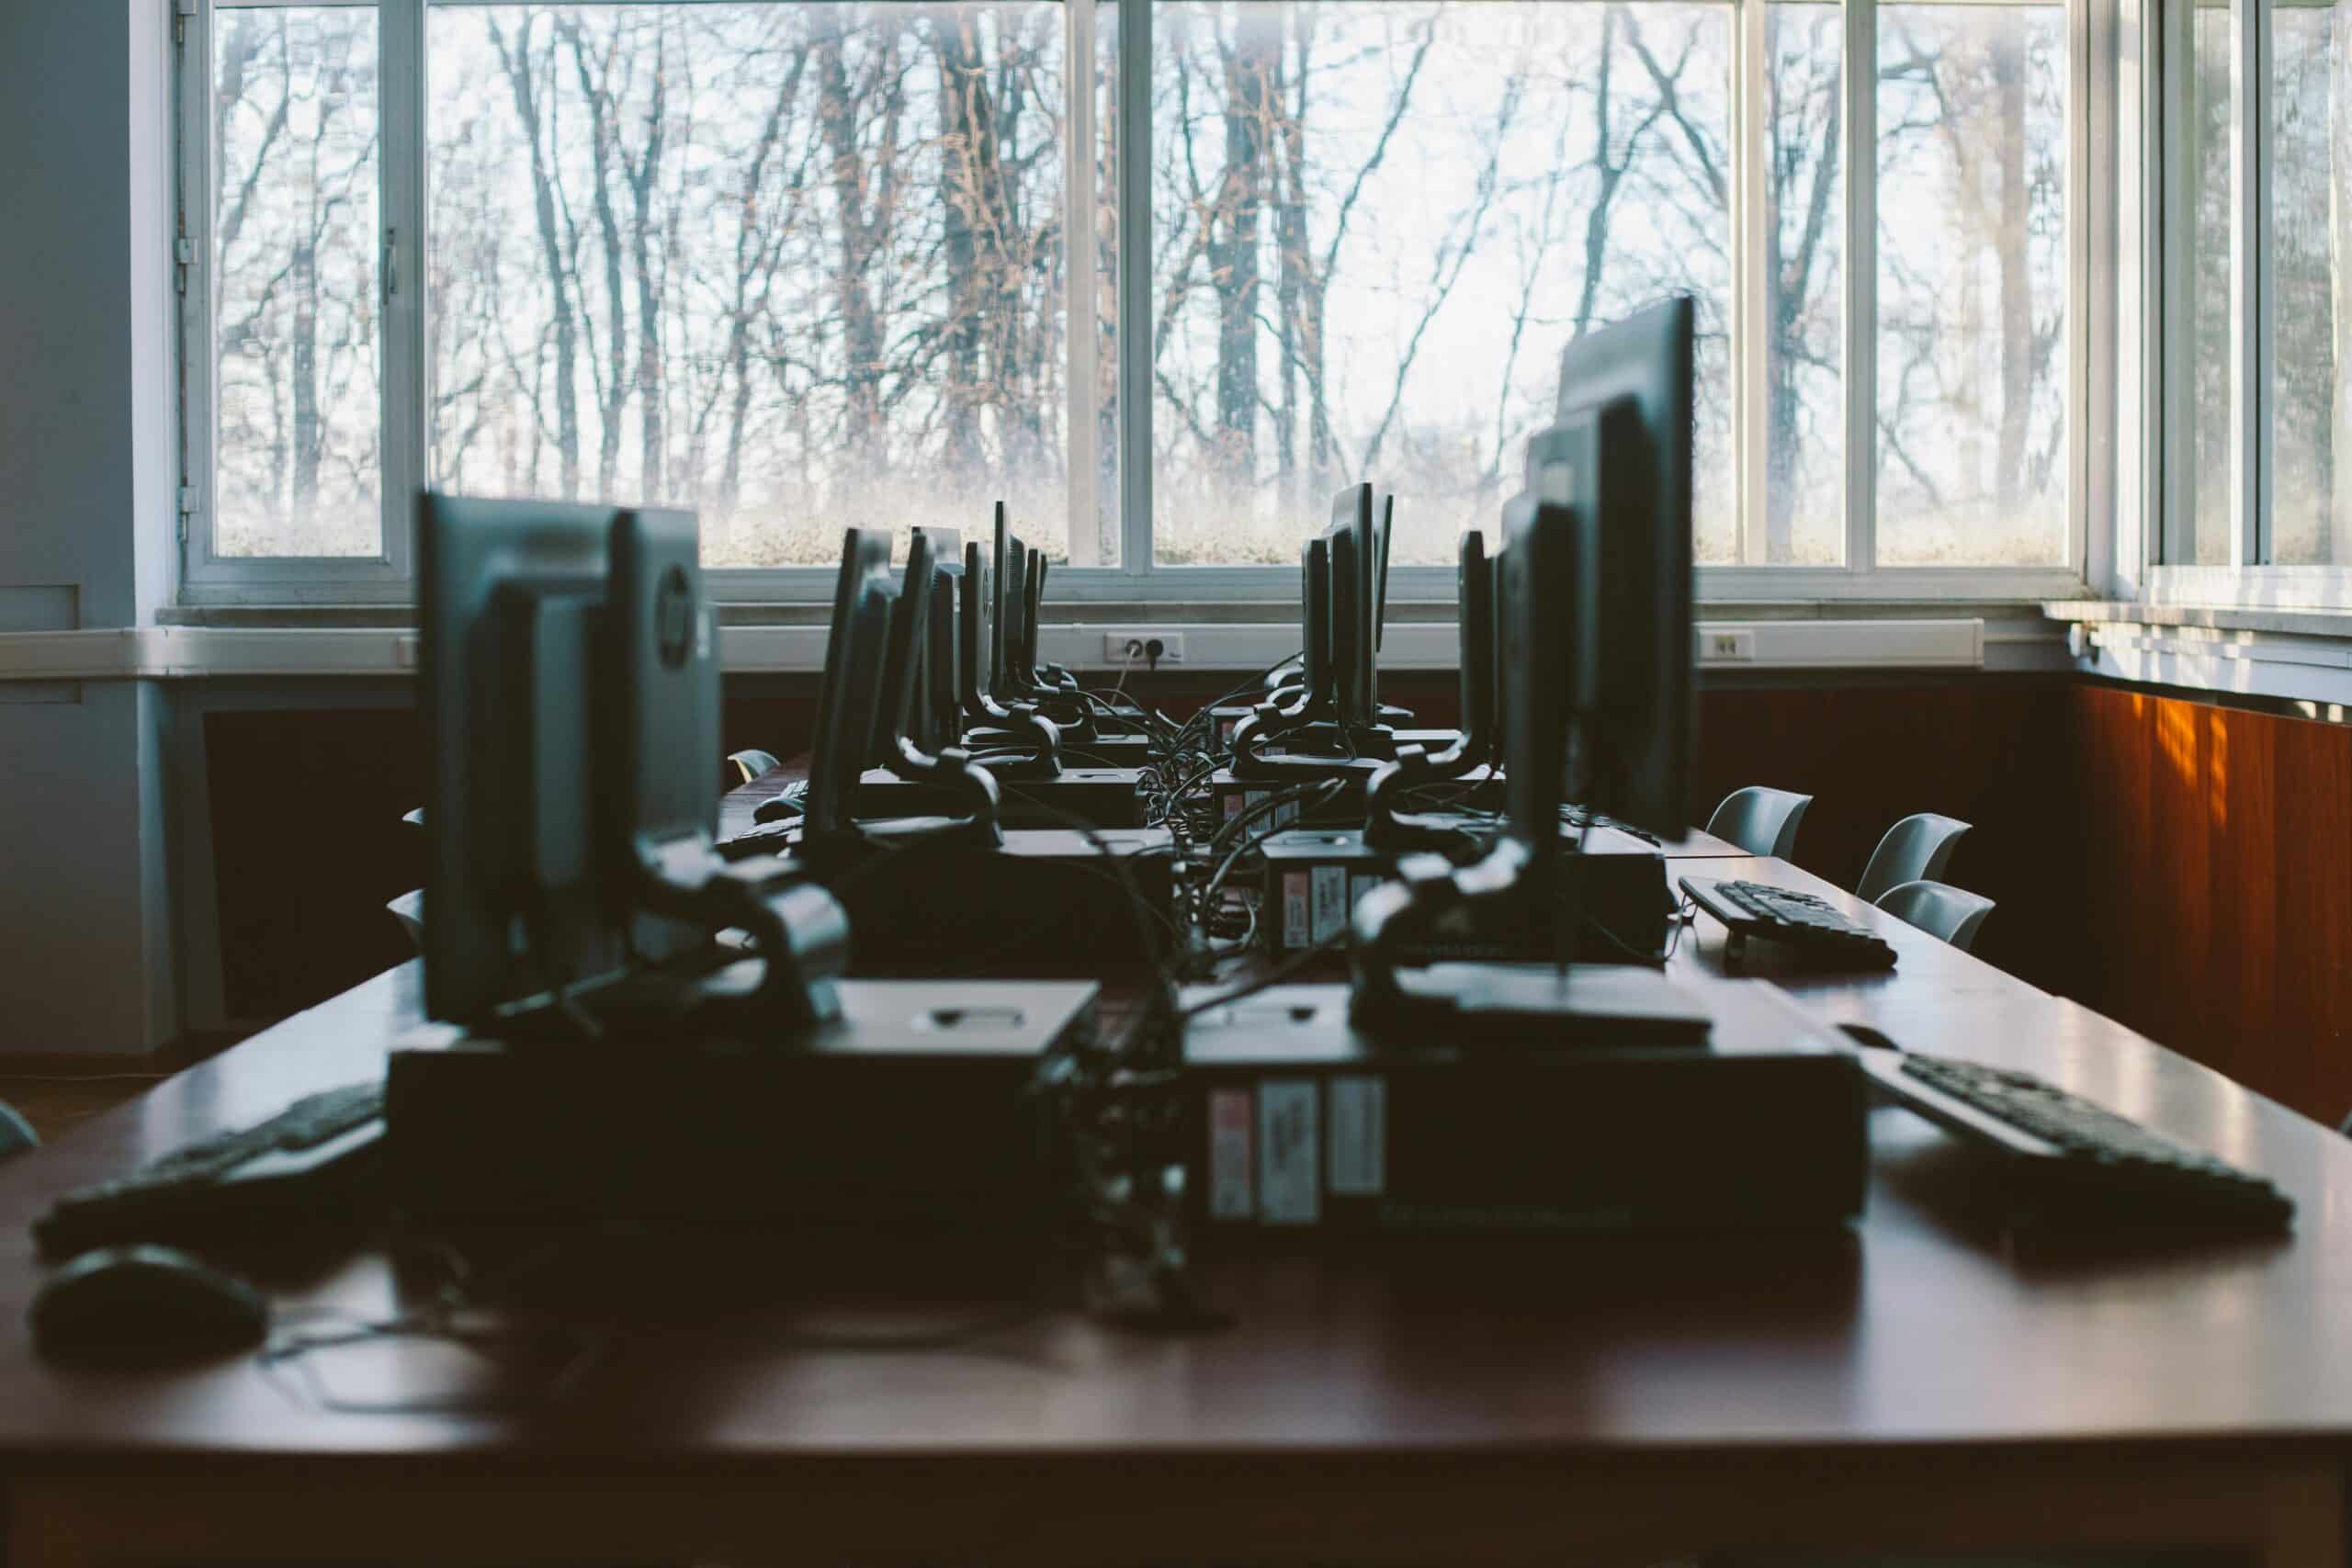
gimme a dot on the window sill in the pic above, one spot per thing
(350, 642)
(2300, 656)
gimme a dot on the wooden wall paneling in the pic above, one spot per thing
(2240, 984)
(308, 844)
(2311, 1026)
(2115, 815)
(2179, 977)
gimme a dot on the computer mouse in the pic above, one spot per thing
(1863, 1034)
(781, 807)
(144, 1304)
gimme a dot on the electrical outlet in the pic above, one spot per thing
(1115, 646)
(1727, 645)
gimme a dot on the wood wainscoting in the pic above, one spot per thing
(2216, 913)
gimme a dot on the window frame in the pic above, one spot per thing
(2251, 578)
(208, 577)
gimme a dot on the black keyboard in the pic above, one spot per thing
(307, 1160)
(1812, 931)
(2073, 1164)
(766, 838)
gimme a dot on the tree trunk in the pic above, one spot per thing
(968, 182)
(1294, 264)
(2006, 57)
(1233, 259)
(861, 325)
(519, 67)
(642, 178)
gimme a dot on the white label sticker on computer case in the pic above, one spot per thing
(1330, 901)
(1289, 1184)
(1297, 909)
(1358, 1158)
(1229, 1154)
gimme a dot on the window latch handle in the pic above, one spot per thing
(391, 262)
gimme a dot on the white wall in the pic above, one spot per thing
(86, 481)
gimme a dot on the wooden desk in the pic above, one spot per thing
(1906, 1386)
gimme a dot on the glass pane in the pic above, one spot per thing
(1377, 222)
(1805, 481)
(2211, 367)
(1106, 452)
(1972, 285)
(796, 266)
(2309, 231)
(298, 418)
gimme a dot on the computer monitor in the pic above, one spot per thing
(849, 697)
(508, 596)
(1636, 377)
(1000, 619)
(1033, 611)
(1355, 612)
(569, 686)
(1596, 637)
(942, 659)
(1384, 526)
(1386, 823)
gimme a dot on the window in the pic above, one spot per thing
(1163, 275)
(2252, 256)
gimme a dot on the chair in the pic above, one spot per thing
(1915, 850)
(408, 910)
(752, 764)
(1761, 821)
(16, 1133)
(1939, 909)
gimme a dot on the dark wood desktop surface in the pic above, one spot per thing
(1907, 1383)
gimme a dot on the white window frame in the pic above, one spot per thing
(2250, 581)
(2094, 293)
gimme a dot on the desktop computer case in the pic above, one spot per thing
(1315, 876)
(1303, 1131)
(910, 1117)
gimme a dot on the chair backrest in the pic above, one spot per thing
(751, 764)
(1939, 909)
(1761, 821)
(1915, 850)
(16, 1133)
(408, 910)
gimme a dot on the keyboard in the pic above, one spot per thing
(309, 1159)
(2073, 1164)
(1812, 931)
(766, 838)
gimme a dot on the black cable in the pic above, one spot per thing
(1273, 976)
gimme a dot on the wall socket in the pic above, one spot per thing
(1115, 648)
(1728, 644)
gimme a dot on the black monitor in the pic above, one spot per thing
(1636, 378)
(1386, 823)
(1000, 622)
(508, 596)
(1355, 616)
(849, 699)
(569, 687)
(1595, 636)
(941, 658)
